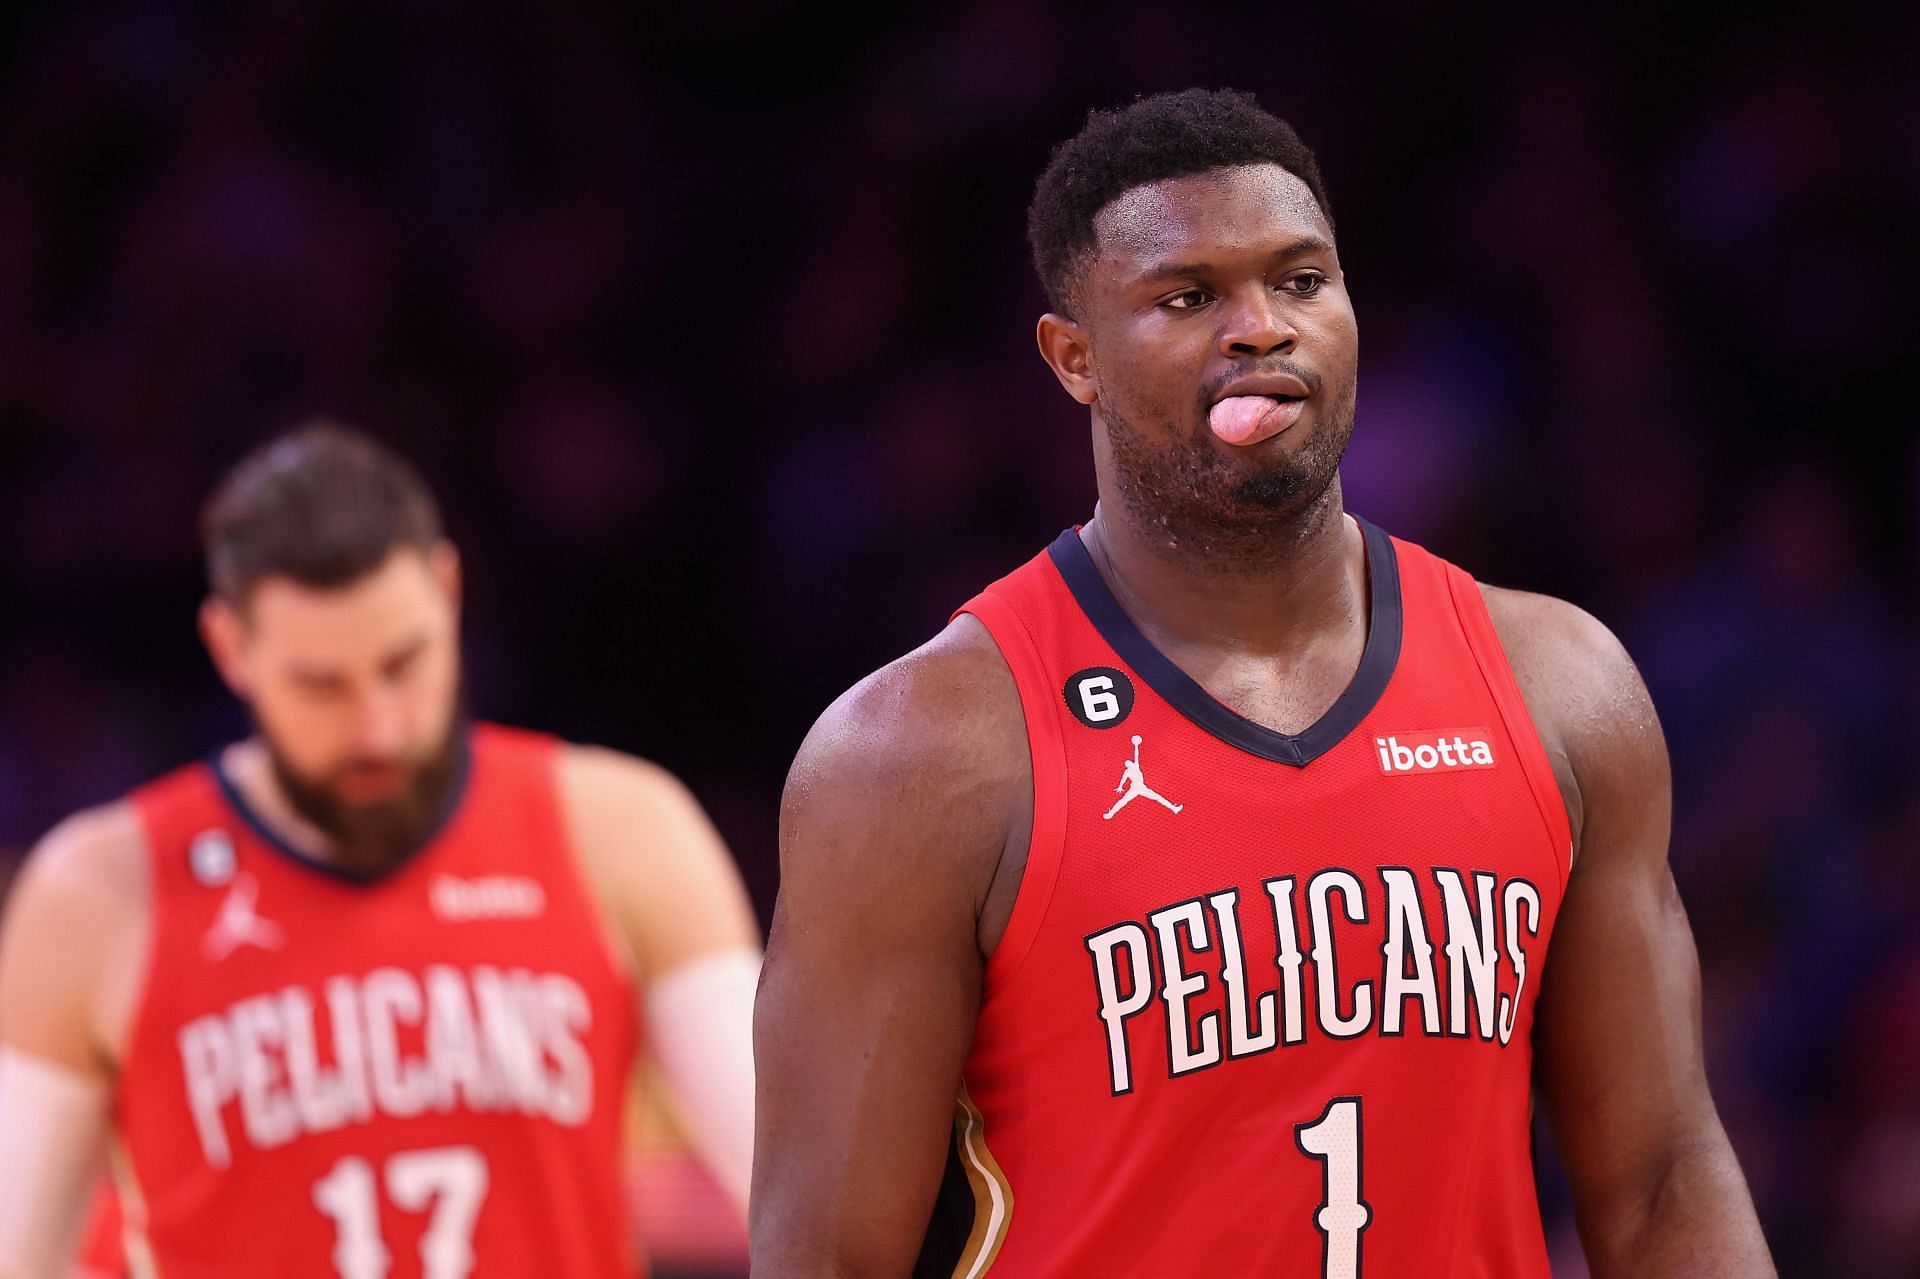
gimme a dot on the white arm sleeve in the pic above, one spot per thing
(700, 1025)
(53, 1127)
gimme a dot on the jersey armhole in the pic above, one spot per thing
(140, 999)
(1491, 656)
(571, 866)
(1047, 757)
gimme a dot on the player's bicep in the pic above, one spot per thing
(868, 996)
(695, 904)
(67, 943)
(1618, 1039)
(860, 1033)
(64, 935)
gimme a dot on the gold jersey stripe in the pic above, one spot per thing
(992, 1196)
(133, 1213)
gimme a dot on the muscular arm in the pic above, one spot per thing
(674, 902)
(71, 947)
(1618, 1055)
(897, 813)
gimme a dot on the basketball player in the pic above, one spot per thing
(1389, 854)
(359, 996)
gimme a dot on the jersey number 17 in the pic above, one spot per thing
(451, 1181)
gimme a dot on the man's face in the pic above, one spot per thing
(1200, 288)
(356, 694)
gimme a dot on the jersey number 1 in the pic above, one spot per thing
(452, 1180)
(1334, 1140)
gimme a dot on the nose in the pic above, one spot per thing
(1256, 323)
(379, 727)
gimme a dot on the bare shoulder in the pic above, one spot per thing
(596, 780)
(917, 776)
(74, 938)
(658, 868)
(1586, 697)
(951, 702)
(93, 863)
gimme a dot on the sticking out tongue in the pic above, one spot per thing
(1241, 419)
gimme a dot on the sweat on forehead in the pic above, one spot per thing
(1229, 207)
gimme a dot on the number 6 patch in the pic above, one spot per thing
(1099, 696)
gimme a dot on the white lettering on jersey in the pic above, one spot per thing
(396, 1045)
(1250, 1030)
(1405, 753)
(1327, 990)
(390, 999)
(488, 897)
(321, 1094)
(1406, 942)
(206, 1054)
(568, 1017)
(1181, 985)
(259, 1037)
(1288, 959)
(1116, 1008)
(1184, 945)
(1470, 954)
(453, 1044)
(1518, 891)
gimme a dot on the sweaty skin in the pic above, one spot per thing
(904, 826)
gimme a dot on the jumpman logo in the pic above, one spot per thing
(238, 924)
(1133, 786)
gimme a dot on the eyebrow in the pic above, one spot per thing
(1292, 249)
(401, 652)
(405, 652)
(314, 675)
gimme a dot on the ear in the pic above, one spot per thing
(224, 632)
(1063, 345)
(443, 561)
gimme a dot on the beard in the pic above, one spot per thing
(370, 838)
(1178, 485)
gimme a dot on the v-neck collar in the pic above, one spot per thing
(263, 829)
(1185, 694)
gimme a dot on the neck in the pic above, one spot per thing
(367, 841)
(1277, 590)
(251, 772)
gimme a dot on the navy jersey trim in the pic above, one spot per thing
(463, 770)
(1377, 660)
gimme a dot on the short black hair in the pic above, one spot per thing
(322, 504)
(1167, 135)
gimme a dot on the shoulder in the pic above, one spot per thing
(944, 715)
(95, 861)
(923, 764)
(74, 935)
(656, 866)
(1586, 696)
(595, 781)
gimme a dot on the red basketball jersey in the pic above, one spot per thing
(1264, 1001)
(421, 1074)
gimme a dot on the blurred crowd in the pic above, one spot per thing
(712, 326)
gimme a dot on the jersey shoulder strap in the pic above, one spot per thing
(1020, 613)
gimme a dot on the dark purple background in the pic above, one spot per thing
(713, 329)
